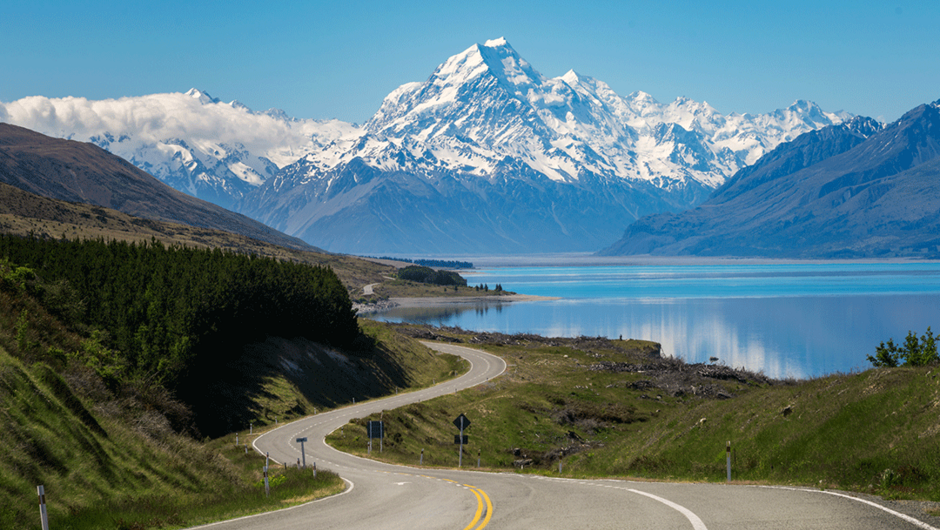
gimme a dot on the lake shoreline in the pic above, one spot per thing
(445, 301)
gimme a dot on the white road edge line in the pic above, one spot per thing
(228, 521)
(908, 518)
(697, 523)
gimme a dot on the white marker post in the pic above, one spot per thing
(421, 461)
(314, 470)
(44, 517)
(267, 487)
(728, 453)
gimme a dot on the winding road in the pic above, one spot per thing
(383, 496)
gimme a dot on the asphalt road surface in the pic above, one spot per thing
(382, 496)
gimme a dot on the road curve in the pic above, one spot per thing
(383, 496)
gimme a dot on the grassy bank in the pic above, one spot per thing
(108, 460)
(604, 408)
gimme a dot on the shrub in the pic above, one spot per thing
(914, 351)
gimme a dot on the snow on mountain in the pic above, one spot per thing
(532, 163)
(192, 141)
(488, 103)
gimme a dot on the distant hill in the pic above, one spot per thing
(854, 190)
(26, 214)
(82, 172)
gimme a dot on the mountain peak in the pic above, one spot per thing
(201, 95)
(571, 77)
(803, 105)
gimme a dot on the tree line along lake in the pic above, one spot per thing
(799, 319)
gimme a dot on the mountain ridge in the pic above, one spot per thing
(853, 190)
(497, 157)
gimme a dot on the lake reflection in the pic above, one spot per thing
(792, 332)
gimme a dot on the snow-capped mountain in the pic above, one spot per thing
(193, 142)
(490, 155)
(486, 155)
(855, 190)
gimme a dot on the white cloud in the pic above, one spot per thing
(154, 119)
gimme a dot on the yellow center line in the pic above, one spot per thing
(481, 498)
(479, 509)
(489, 510)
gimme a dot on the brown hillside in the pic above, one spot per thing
(81, 172)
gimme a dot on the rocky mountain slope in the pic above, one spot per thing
(488, 155)
(852, 190)
(81, 172)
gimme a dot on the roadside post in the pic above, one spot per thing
(43, 515)
(728, 457)
(314, 470)
(302, 453)
(462, 423)
(421, 461)
(479, 452)
(267, 487)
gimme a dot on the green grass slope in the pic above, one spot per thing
(603, 408)
(115, 453)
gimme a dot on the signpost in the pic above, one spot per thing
(302, 453)
(462, 423)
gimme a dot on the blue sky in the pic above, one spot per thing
(339, 59)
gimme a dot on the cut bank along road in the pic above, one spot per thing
(383, 496)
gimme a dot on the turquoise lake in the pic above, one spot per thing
(785, 319)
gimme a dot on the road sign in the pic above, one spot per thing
(462, 422)
(462, 440)
(376, 429)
